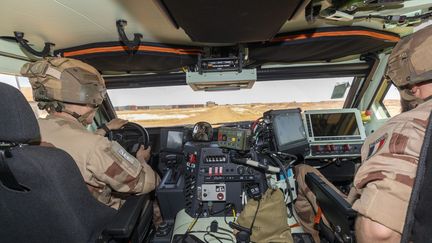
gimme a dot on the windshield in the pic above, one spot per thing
(180, 105)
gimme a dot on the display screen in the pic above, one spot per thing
(175, 140)
(334, 124)
(289, 128)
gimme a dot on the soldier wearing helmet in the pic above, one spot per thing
(383, 183)
(71, 91)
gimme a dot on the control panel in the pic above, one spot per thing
(233, 138)
(212, 192)
(212, 180)
(335, 150)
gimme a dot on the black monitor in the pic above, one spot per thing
(288, 131)
(172, 140)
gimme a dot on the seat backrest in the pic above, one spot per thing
(419, 215)
(335, 208)
(55, 205)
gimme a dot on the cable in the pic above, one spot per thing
(193, 222)
(192, 225)
(229, 234)
(217, 238)
(256, 213)
(276, 159)
(225, 212)
(255, 123)
(389, 17)
(327, 164)
(227, 206)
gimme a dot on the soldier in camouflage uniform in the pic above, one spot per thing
(71, 91)
(383, 183)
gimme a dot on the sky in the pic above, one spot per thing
(305, 90)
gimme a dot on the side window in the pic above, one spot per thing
(387, 101)
(391, 101)
(24, 86)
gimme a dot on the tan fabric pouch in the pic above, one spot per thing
(271, 223)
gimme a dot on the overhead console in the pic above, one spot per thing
(227, 21)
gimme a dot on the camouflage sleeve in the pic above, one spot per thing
(110, 163)
(386, 176)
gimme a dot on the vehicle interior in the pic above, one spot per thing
(326, 59)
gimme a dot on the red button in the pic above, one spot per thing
(220, 196)
(192, 158)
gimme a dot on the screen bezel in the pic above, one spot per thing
(336, 139)
(164, 140)
(296, 147)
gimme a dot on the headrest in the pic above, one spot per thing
(18, 123)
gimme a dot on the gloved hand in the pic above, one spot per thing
(143, 155)
(116, 123)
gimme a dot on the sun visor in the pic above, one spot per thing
(322, 44)
(228, 21)
(115, 57)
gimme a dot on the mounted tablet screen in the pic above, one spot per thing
(336, 124)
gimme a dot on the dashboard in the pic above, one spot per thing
(208, 175)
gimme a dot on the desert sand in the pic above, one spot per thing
(224, 113)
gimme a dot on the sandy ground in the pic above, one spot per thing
(223, 113)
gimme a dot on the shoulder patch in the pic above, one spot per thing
(377, 145)
(128, 162)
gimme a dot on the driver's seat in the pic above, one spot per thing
(43, 197)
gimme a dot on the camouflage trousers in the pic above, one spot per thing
(306, 206)
(157, 216)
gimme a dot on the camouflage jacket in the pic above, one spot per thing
(109, 171)
(389, 164)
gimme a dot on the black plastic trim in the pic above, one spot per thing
(266, 74)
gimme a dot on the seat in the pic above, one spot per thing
(43, 197)
(336, 210)
(419, 215)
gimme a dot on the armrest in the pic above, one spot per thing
(127, 216)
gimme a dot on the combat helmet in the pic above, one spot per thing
(56, 81)
(409, 62)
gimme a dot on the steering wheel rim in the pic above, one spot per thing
(133, 130)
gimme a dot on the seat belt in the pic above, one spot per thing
(7, 178)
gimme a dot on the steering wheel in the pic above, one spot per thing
(131, 136)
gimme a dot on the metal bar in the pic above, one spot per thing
(375, 61)
(267, 74)
(14, 56)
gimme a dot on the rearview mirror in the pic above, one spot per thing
(339, 90)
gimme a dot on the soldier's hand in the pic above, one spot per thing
(143, 155)
(116, 123)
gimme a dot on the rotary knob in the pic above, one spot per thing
(241, 170)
